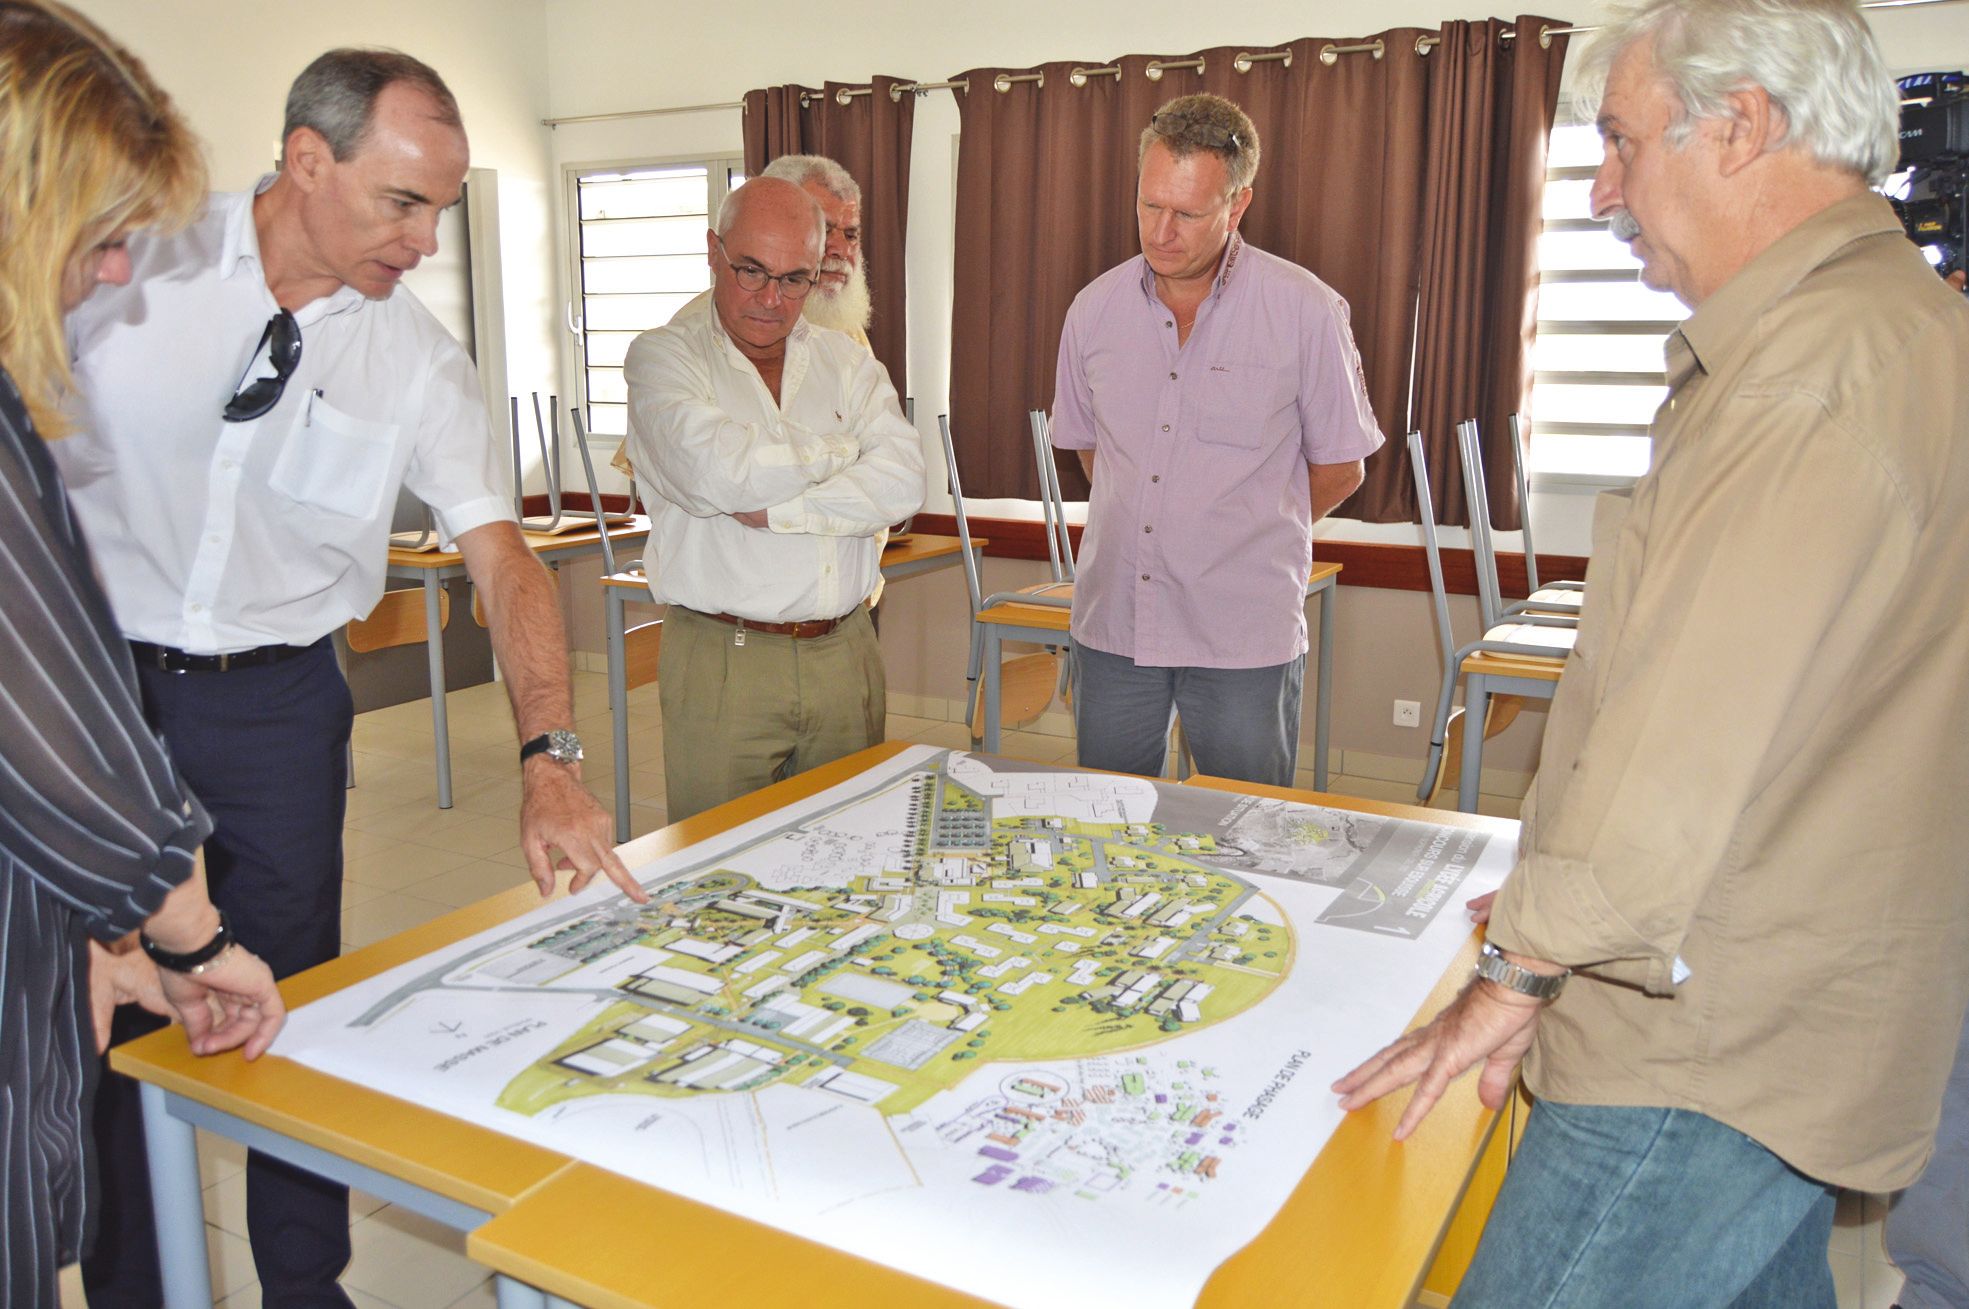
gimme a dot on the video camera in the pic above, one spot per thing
(1934, 208)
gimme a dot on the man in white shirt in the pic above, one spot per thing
(775, 454)
(234, 535)
(840, 299)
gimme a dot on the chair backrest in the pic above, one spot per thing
(1432, 549)
(1489, 596)
(640, 647)
(1059, 543)
(1520, 457)
(969, 556)
(397, 619)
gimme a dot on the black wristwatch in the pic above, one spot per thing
(195, 961)
(560, 745)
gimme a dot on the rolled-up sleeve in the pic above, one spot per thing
(1647, 809)
(90, 806)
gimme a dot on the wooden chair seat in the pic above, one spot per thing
(397, 619)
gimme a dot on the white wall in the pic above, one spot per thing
(228, 64)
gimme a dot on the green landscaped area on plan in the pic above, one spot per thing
(1004, 939)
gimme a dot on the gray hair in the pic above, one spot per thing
(802, 169)
(1208, 123)
(336, 94)
(733, 206)
(1815, 58)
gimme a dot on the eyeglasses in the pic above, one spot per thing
(751, 277)
(1215, 138)
(282, 343)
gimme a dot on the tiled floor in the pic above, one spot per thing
(408, 861)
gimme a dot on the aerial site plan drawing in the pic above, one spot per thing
(1055, 1038)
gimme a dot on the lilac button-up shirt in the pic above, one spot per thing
(1200, 533)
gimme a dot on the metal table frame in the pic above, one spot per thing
(551, 551)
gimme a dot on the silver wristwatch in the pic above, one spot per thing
(1492, 966)
(560, 745)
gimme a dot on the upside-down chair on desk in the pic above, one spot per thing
(1520, 657)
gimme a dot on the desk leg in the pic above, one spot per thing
(993, 656)
(1476, 709)
(434, 653)
(1323, 693)
(171, 1146)
(618, 708)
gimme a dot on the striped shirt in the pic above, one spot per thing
(95, 830)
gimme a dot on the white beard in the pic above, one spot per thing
(846, 310)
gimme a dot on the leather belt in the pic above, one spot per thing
(183, 661)
(804, 630)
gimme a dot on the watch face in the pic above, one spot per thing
(564, 746)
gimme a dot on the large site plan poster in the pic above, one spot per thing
(1056, 1038)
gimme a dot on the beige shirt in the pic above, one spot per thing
(1755, 761)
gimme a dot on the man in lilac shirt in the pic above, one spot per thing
(1214, 396)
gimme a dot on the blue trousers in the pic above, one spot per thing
(1641, 1208)
(1240, 722)
(263, 750)
(1928, 1231)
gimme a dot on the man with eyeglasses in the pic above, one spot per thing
(254, 399)
(840, 298)
(775, 453)
(1213, 394)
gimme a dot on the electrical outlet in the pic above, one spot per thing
(1408, 713)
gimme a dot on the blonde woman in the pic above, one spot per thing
(98, 837)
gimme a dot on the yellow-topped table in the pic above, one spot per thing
(1045, 620)
(433, 568)
(1362, 1230)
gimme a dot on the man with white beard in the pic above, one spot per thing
(840, 301)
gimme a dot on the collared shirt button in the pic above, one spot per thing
(1147, 528)
(214, 539)
(1165, 427)
(197, 608)
(1155, 477)
(1145, 577)
(1168, 322)
(1172, 377)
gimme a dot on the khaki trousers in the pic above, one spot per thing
(739, 717)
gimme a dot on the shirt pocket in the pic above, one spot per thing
(1234, 405)
(335, 462)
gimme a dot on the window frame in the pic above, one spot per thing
(718, 171)
(1575, 478)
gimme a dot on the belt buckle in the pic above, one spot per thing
(225, 663)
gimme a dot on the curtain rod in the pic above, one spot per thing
(1243, 63)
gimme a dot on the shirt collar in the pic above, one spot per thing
(1723, 323)
(1225, 267)
(242, 244)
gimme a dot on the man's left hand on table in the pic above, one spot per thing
(1484, 1022)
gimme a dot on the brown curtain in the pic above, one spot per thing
(1045, 202)
(1491, 107)
(870, 137)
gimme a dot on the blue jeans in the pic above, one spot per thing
(1627, 1208)
(1240, 722)
(1928, 1232)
